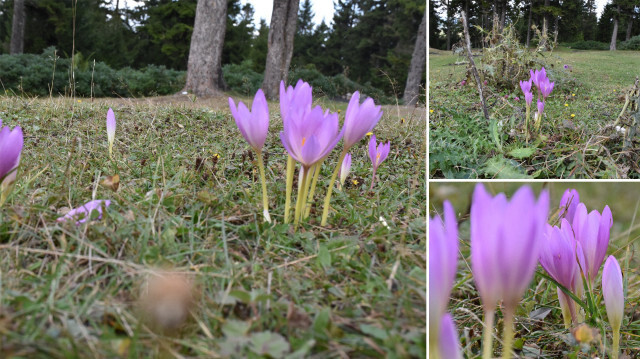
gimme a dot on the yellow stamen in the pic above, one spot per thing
(304, 139)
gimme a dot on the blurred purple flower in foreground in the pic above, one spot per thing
(83, 213)
(505, 244)
(11, 142)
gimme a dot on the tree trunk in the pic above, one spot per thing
(529, 23)
(17, 28)
(629, 24)
(612, 46)
(545, 26)
(418, 64)
(448, 4)
(204, 70)
(555, 31)
(280, 48)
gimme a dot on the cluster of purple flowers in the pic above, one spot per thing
(508, 240)
(309, 135)
(545, 86)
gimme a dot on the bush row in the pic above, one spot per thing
(241, 78)
(32, 74)
(632, 44)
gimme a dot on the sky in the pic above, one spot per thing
(323, 9)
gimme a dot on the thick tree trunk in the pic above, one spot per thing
(17, 28)
(629, 24)
(204, 70)
(280, 49)
(612, 46)
(529, 23)
(418, 64)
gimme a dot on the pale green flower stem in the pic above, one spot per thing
(314, 183)
(289, 189)
(526, 124)
(302, 195)
(507, 335)
(615, 349)
(487, 344)
(265, 197)
(327, 198)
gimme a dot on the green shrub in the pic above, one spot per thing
(241, 78)
(32, 74)
(588, 45)
(632, 44)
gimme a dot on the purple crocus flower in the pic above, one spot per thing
(11, 142)
(252, 124)
(297, 99)
(449, 344)
(592, 230)
(569, 204)
(359, 119)
(526, 86)
(377, 154)
(83, 212)
(545, 86)
(528, 97)
(310, 137)
(345, 168)
(537, 76)
(443, 263)
(463, 82)
(540, 107)
(111, 129)
(613, 293)
(560, 254)
(505, 241)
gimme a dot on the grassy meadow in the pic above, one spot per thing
(539, 328)
(577, 137)
(189, 200)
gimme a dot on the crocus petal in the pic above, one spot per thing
(505, 238)
(540, 107)
(448, 342)
(443, 255)
(345, 168)
(111, 125)
(254, 124)
(359, 119)
(528, 97)
(11, 143)
(568, 204)
(613, 292)
(85, 210)
(373, 150)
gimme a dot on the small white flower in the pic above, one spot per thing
(384, 223)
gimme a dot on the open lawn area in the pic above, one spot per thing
(188, 200)
(577, 136)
